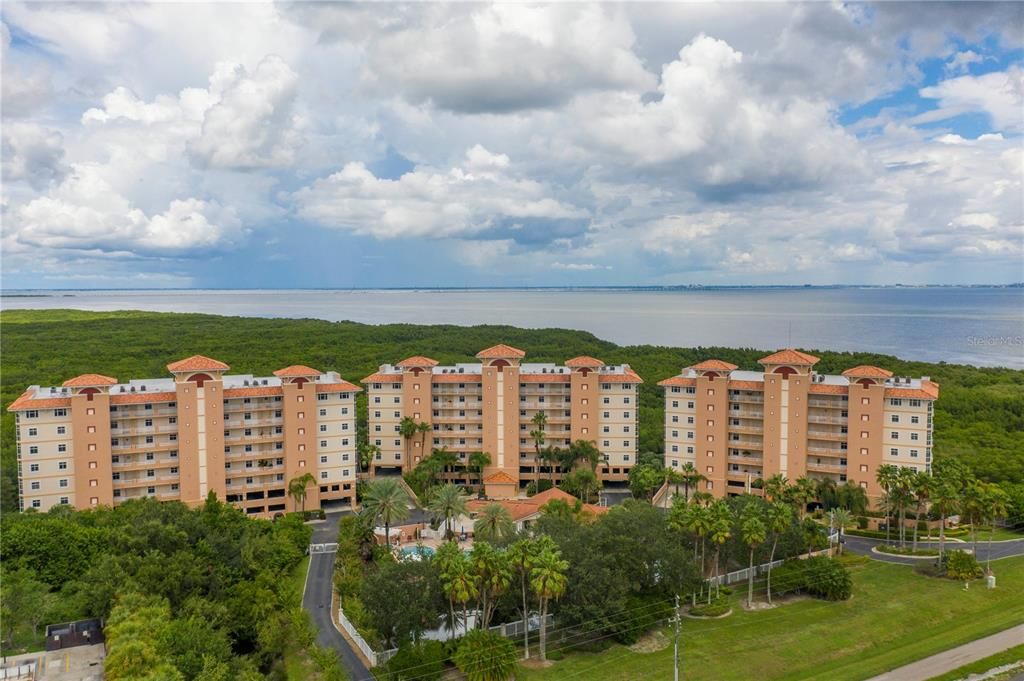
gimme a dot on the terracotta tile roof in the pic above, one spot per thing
(382, 378)
(25, 401)
(547, 495)
(253, 392)
(584, 361)
(339, 387)
(499, 351)
(518, 509)
(456, 378)
(545, 378)
(678, 382)
(500, 478)
(144, 398)
(867, 371)
(713, 365)
(629, 376)
(929, 390)
(820, 389)
(197, 363)
(296, 370)
(88, 380)
(418, 361)
(789, 356)
(746, 385)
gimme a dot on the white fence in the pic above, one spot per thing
(508, 630)
(25, 670)
(741, 575)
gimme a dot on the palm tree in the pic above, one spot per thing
(585, 450)
(493, 570)
(551, 456)
(407, 428)
(690, 477)
(447, 554)
(853, 497)
(922, 489)
(672, 477)
(445, 460)
(523, 555)
(886, 478)
(840, 519)
(493, 524)
(385, 500)
(540, 423)
(904, 495)
(945, 500)
(995, 506)
(754, 534)
(775, 487)
(478, 461)
(972, 504)
(803, 492)
(828, 493)
(297, 488)
(448, 502)
(548, 579)
(423, 428)
(721, 530)
(367, 452)
(779, 518)
(460, 583)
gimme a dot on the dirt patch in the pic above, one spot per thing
(776, 602)
(650, 642)
(535, 663)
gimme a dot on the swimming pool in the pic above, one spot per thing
(415, 552)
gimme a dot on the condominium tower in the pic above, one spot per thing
(95, 441)
(737, 426)
(489, 406)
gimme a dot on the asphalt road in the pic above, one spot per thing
(317, 600)
(1006, 549)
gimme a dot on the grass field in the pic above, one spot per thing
(983, 665)
(895, 617)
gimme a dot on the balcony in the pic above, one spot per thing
(832, 435)
(745, 443)
(142, 464)
(131, 483)
(826, 467)
(747, 429)
(254, 439)
(827, 404)
(827, 418)
(144, 430)
(144, 447)
(745, 414)
(250, 423)
(834, 451)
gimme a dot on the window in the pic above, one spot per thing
(63, 482)
(33, 449)
(32, 414)
(913, 453)
(149, 423)
(62, 465)
(323, 475)
(323, 412)
(32, 432)
(915, 403)
(323, 459)
(915, 419)
(896, 402)
(35, 485)
(895, 435)
(894, 452)
(895, 418)
(60, 412)
(323, 427)
(35, 503)
(61, 430)
(913, 436)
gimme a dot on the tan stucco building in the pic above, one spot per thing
(489, 406)
(737, 426)
(94, 441)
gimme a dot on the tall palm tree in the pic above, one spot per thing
(448, 502)
(407, 428)
(422, 429)
(828, 493)
(523, 555)
(922, 489)
(972, 504)
(297, 488)
(460, 583)
(540, 424)
(478, 461)
(995, 506)
(904, 496)
(691, 477)
(945, 500)
(840, 519)
(551, 456)
(493, 570)
(754, 534)
(493, 524)
(367, 452)
(779, 517)
(585, 450)
(445, 460)
(721, 530)
(775, 487)
(548, 579)
(447, 554)
(386, 501)
(803, 492)
(886, 479)
(853, 497)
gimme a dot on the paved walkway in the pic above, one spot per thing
(1005, 549)
(935, 665)
(317, 599)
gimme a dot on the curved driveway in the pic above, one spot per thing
(317, 600)
(1004, 549)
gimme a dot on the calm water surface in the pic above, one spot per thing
(983, 326)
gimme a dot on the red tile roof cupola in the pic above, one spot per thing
(501, 351)
(89, 381)
(417, 362)
(713, 365)
(584, 362)
(868, 371)
(296, 371)
(196, 363)
(790, 357)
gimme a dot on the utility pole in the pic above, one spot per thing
(677, 619)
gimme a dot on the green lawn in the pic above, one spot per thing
(895, 617)
(984, 664)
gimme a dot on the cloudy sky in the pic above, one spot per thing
(298, 145)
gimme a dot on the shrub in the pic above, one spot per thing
(715, 608)
(485, 656)
(962, 566)
(900, 551)
(649, 613)
(423, 661)
(862, 522)
(819, 576)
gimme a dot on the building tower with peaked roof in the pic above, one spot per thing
(490, 405)
(94, 441)
(738, 426)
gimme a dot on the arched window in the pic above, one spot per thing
(89, 392)
(199, 379)
(500, 363)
